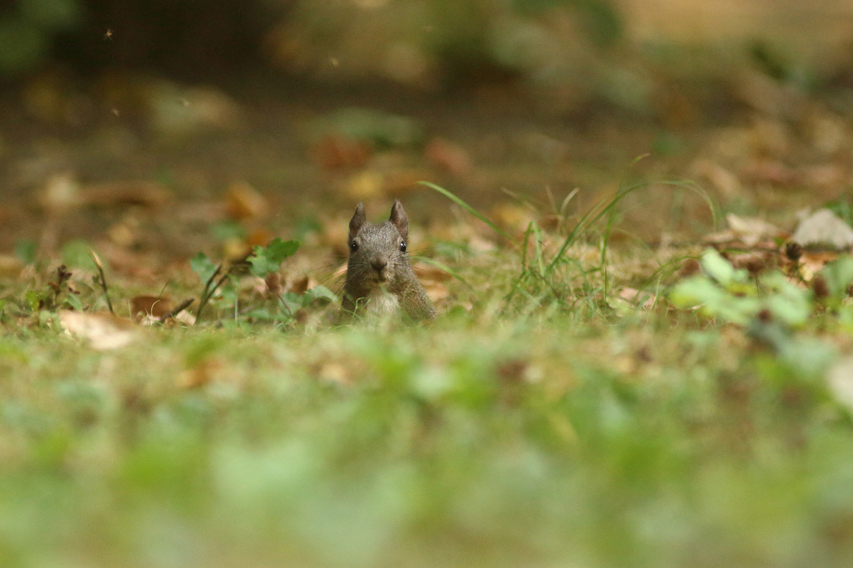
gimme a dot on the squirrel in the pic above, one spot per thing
(379, 280)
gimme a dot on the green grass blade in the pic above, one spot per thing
(470, 210)
(443, 267)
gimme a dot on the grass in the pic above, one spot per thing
(542, 428)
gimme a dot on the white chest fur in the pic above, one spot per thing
(382, 303)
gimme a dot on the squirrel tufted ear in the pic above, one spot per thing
(358, 219)
(399, 219)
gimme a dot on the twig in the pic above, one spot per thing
(181, 307)
(102, 280)
(210, 288)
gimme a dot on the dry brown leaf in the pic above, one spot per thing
(244, 202)
(399, 182)
(447, 156)
(365, 185)
(153, 306)
(123, 234)
(745, 232)
(175, 110)
(301, 285)
(429, 273)
(259, 237)
(436, 291)
(130, 192)
(274, 284)
(770, 171)
(751, 230)
(199, 375)
(512, 216)
(755, 262)
(127, 262)
(335, 373)
(828, 176)
(104, 331)
(60, 193)
(236, 250)
(812, 262)
(334, 152)
(823, 229)
(184, 317)
(722, 179)
(691, 267)
(10, 266)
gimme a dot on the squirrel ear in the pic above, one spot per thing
(399, 219)
(358, 219)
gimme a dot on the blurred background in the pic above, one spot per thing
(308, 104)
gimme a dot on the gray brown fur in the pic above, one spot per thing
(379, 277)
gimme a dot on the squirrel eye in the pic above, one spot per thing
(402, 246)
(353, 246)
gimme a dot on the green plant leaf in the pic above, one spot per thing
(720, 269)
(26, 251)
(265, 260)
(694, 291)
(714, 301)
(291, 301)
(839, 276)
(73, 301)
(788, 302)
(203, 266)
(52, 15)
(320, 293)
(34, 299)
(24, 45)
(75, 254)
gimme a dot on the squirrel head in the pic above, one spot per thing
(378, 252)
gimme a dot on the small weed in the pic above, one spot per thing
(549, 278)
(263, 263)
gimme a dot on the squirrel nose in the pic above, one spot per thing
(378, 263)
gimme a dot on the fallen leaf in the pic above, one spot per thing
(129, 192)
(273, 281)
(103, 331)
(512, 216)
(244, 202)
(436, 291)
(751, 230)
(365, 185)
(812, 262)
(10, 266)
(334, 373)
(123, 234)
(823, 229)
(301, 285)
(199, 374)
(722, 179)
(177, 110)
(447, 156)
(770, 171)
(150, 306)
(184, 317)
(60, 193)
(399, 182)
(753, 261)
(334, 152)
(430, 273)
(259, 237)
